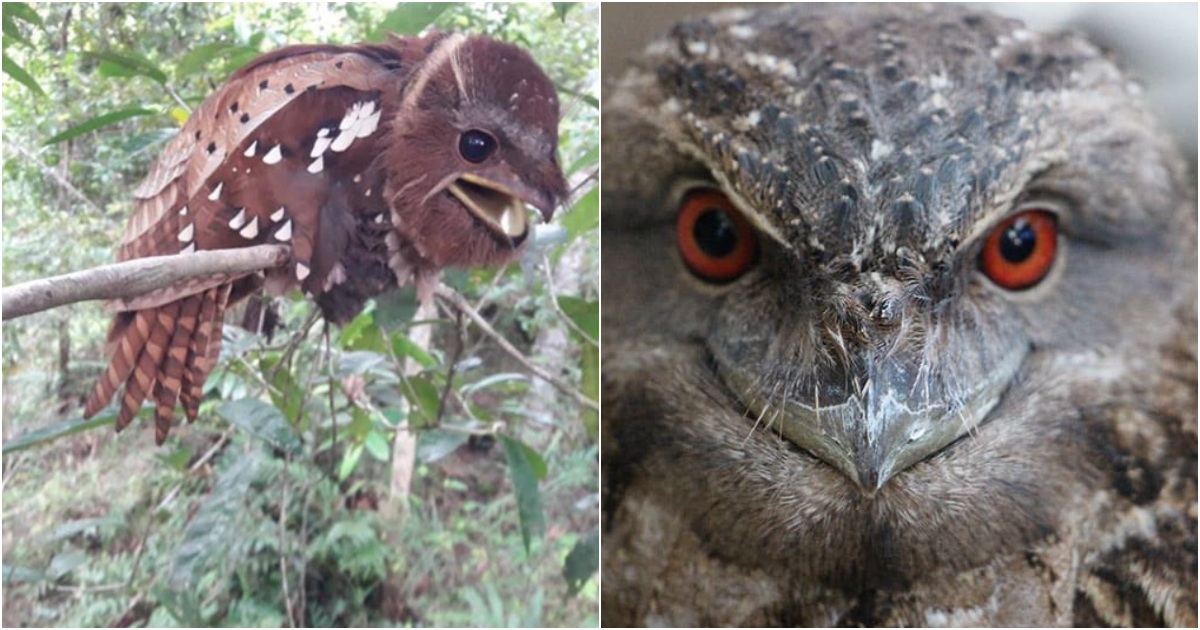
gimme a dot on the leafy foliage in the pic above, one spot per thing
(278, 507)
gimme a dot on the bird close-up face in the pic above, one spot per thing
(476, 144)
(899, 316)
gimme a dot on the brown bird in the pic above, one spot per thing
(379, 164)
(899, 329)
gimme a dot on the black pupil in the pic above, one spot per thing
(476, 146)
(715, 233)
(1018, 241)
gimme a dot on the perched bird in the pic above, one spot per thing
(379, 164)
(899, 312)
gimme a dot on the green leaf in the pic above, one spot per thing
(285, 393)
(590, 368)
(377, 445)
(148, 140)
(126, 64)
(66, 562)
(425, 399)
(22, 11)
(523, 469)
(562, 8)
(404, 347)
(19, 74)
(410, 18)
(12, 32)
(352, 330)
(435, 444)
(584, 216)
(493, 380)
(582, 562)
(361, 362)
(211, 535)
(70, 529)
(199, 57)
(55, 431)
(585, 313)
(14, 574)
(591, 158)
(395, 309)
(262, 421)
(98, 122)
(350, 461)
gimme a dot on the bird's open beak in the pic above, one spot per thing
(501, 208)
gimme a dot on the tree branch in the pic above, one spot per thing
(134, 278)
(454, 299)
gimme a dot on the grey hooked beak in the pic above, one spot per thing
(897, 417)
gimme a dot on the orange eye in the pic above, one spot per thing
(1020, 252)
(716, 241)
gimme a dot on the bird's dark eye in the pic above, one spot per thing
(1020, 251)
(476, 146)
(717, 243)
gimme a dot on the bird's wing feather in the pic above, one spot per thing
(253, 165)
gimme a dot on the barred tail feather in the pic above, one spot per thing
(203, 353)
(126, 338)
(167, 353)
(149, 362)
(168, 383)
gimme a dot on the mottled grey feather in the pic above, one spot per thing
(874, 147)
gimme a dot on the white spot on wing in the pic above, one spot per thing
(183, 211)
(251, 230)
(317, 165)
(274, 155)
(367, 125)
(336, 275)
(352, 116)
(238, 220)
(284, 233)
(191, 247)
(249, 152)
(342, 141)
(302, 271)
(277, 216)
(216, 192)
(320, 145)
(186, 233)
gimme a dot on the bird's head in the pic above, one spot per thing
(472, 149)
(887, 258)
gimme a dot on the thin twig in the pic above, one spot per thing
(62, 182)
(212, 451)
(453, 366)
(103, 588)
(558, 307)
(457, 301)
(285, 358)
(332, 406)
(287, 596)
(178, 99)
